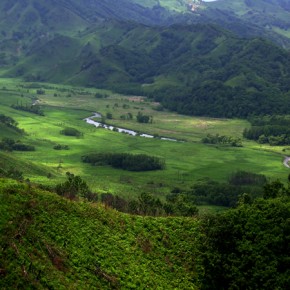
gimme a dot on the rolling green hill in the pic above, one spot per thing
(191, 68)
(50, 242)
(195, 69)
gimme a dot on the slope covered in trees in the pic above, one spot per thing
(48, 241)
(266, 18)
(197, 70)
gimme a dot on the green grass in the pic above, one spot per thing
(186, 162)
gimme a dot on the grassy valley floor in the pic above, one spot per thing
(186, 162)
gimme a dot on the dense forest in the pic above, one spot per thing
(273, 130)
(192, 68)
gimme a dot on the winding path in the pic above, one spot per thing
(286, 161)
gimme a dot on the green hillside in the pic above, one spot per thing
(50, 242)
(144, 144)
(192, 69)
(267, 18)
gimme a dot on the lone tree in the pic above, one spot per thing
(144, 118)
(73, 187)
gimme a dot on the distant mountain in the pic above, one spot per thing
(26, 24)
(192, 68)
(267, 18)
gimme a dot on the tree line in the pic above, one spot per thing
(146, 204)
(273, 130)
(126, 161)
(34, 109)
(9, 122)
(222, 193)
(222, 139)
(8, 144)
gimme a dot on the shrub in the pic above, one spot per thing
(60, 147)
(73, 187)
(69, 131)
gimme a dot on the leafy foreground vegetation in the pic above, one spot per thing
(248, 247)
(51, 242)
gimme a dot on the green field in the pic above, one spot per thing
(186, 162)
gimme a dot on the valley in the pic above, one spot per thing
(144, 144)
(187, 162)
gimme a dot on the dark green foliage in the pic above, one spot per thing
(148, 205)
(224, 140)
(74, 187)
(22, 147)
(60, 147)
(248, 247)
(69, 131)
(247, 178)
(101, 96)
(274, 130)
(223, 194)
(50, 242)
(126, 161)
(109, 116)
(40, 91)
(276, 189)
(34, 109)
(10, 123)
(143, 118)
(10, 145)
(6, 120)
(11, 173)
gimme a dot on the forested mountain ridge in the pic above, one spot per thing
(194, 69)
(25, 24)
(198, 69)
(267, 18)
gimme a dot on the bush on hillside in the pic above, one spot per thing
(73, 187)
(69, 131)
